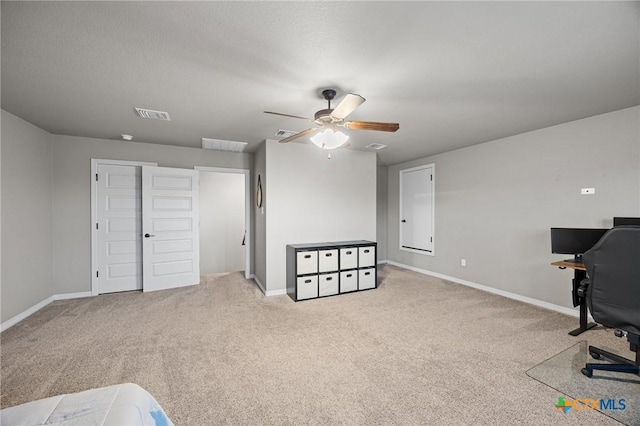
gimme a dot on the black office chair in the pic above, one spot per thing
(613, 294)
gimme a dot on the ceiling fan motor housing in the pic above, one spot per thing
(324, 116)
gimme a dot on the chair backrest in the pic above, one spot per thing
(613, 268)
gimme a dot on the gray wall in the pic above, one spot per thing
(259, 214)
(27, 187)
(311, 199)
(222, 222)
(72, 187)
(1, 310)
(381, 211)
(495, 202)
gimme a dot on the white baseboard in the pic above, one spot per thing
(270, 292)
(65, 296)
(382, 262)
(514, 296)
(35, 308)
(280, 292)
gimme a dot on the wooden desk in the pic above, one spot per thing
(579, 273)
(569, 263)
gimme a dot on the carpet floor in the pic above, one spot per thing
(416, 350)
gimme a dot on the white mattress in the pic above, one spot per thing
(119, 405)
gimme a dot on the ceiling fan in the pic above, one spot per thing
(330, 119)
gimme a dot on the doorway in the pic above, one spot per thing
(225, 232)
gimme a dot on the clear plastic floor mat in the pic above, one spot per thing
(616, 395)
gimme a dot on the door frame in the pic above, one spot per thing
(247, 209)
(95, 162)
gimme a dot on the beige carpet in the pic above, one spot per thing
(417, 350)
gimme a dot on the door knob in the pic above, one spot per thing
(148, 235)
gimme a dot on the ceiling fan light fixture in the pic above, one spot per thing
(329, 139)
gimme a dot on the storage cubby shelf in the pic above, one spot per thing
(327, 269)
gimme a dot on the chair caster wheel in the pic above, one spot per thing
(594, 355)
(587, 372)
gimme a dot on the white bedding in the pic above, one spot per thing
(118, 405)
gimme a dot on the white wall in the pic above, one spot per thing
(311, 199)
(27, 187)
(259, 215)
(222, 222)
(71, 207)
(496, 201)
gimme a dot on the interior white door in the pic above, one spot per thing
(119, 226)
(170, 228)
(416, 209)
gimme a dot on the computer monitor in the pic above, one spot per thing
(574, 241)
(625, 221)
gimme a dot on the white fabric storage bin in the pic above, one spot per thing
(327, 260)
(348, 258)
(366, 256)
(348, 281)
(328, 284)
(307, 262)
(366, 278)
(307, 287)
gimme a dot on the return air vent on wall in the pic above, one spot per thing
(222, 145)
(376, 146)
(155, 115)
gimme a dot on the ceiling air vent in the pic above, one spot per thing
(284, 133)
(376, 146)
(155, 115)
(222, 145)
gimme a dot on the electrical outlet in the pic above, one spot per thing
(588, 191)
(463, 262)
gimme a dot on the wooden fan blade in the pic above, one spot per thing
(299, 135)
(347, 106)
(371, 125)
(287, 115)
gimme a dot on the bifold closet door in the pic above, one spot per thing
(170, 228)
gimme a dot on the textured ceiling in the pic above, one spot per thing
(453, 74)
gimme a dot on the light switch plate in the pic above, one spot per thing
(588, 191)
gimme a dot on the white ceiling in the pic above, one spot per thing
(453, 74)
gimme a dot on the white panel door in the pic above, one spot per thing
(416, 209)
(170, 228)
(119, 226)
